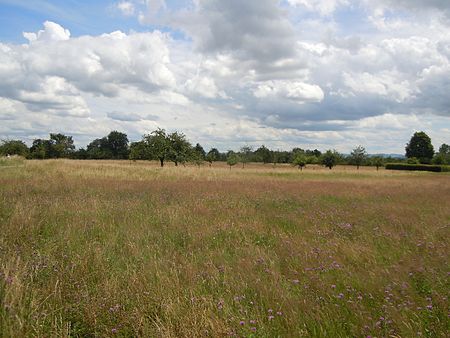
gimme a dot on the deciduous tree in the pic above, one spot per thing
(358, 156)
(420, 147)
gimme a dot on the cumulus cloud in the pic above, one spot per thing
(255, 32)
(53, 70)
(296, 91)
(51, 32)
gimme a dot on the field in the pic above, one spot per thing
(92, 248)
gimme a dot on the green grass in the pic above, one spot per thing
(96, 248)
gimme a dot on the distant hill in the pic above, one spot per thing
(400, 156)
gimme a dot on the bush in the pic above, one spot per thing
(418, 167)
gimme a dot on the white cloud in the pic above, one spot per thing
(384, 84)
(51, 32)
(296, 91)
(323, 7)
(126, 8)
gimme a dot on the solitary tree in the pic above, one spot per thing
(420, 147)
(232, 159)
(377, 161)
(246, 153)
(300, 160)
(330, 158)
(158, 144)
(358, 156)
(180, 148)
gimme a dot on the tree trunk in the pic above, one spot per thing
(162, 162)
(357, 167)
(176, 164)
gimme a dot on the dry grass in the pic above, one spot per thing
(96, 248)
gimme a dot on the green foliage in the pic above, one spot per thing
(113, 146)
(58, 146)
(199, 149)
(180, 148)
(358, 156)
(413, 160)
(443, 156)
(330, 158)
(245, 154)
(197, 158)
(41, 149)
(416, 167)
(377, 161)
(212, 156)
(139, 151)
(117, 144)
(300, 160)
(99, 149)
(14, 147)
(312, 159)
(232, 159)
(314, 152)
(158, 145)
(263, 154)
(61, 146)
(420, 147)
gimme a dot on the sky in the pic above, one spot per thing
(325, 74)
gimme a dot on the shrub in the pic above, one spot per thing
(418, 167)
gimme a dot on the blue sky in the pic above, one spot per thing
(309, 73)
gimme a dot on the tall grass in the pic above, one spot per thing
(101, 248)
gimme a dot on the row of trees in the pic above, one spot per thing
(162, 146)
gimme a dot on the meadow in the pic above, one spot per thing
(120, 248)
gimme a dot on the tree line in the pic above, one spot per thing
(175, 147)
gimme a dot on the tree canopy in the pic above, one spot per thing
(358, 156)
(420, 147)
(330, 158)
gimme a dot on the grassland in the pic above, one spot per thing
(129, 249)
